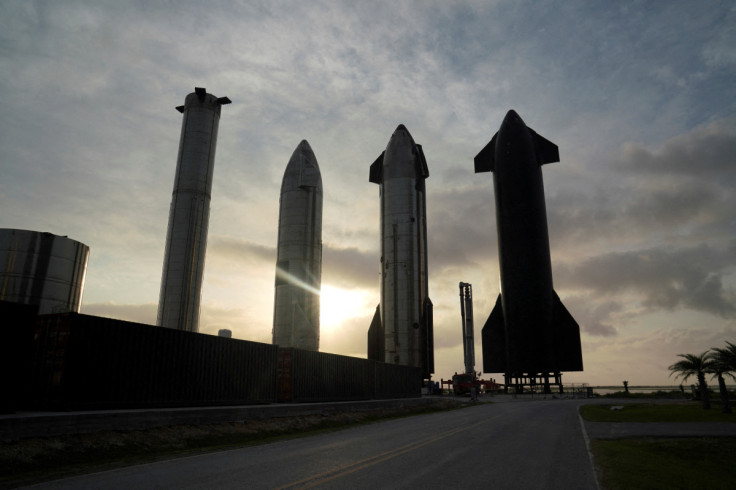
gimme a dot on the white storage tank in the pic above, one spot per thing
(42, 269)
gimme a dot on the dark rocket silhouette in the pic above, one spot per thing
(529, 330)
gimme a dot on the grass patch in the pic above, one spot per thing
(649, 412)
(40, 459)
(646, 463)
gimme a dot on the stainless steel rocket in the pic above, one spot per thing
(466, 313)
(529, 330)
(403, 323)
(186, 238)
(299, 255)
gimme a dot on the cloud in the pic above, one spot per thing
(661, 278)
(232, 249)
(642, 358)
(702, 154)
(677, 193)
(138, 313)
(350, 267)
(594, 316)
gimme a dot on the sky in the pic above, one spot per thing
(638, 95)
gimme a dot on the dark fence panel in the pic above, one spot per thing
(394, 381)
(85, 362)
(16, 349)
(307, 376)
(318, 376)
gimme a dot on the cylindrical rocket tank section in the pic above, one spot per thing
(466, 310)
(299, 253)
(405, 308)
(186, 238)
(42, 269)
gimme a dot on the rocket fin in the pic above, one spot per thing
(376, 338)
(376, 173)
(422, 169)
(569, 351)
(428, 337)
(493, 337)
(547, 152)
(485, 161)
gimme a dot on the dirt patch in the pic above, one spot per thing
(38, 459)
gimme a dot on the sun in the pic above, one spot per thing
(338, 305)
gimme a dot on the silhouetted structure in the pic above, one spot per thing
(186, 239)
(529, 336)
(405, 314)
(466, 312)
(299, 253)
(42, 269)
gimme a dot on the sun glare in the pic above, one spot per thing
(338, 305)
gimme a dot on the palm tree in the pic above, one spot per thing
(695, 365)
(724, 362)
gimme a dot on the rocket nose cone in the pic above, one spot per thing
(402, 156)
(303, 154)
(402, 135)
(512, 118)
(302, 169)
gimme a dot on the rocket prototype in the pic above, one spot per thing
(186, 239)
(299, 255)
(466, 313)
(401, 330)
(529, 330)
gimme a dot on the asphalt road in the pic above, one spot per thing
(519, 445)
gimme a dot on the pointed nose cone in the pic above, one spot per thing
(401, 155)
(302, 170)
(512, 119)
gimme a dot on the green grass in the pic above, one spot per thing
(645, 463)
(649, 412)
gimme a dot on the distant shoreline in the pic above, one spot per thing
(605, 389)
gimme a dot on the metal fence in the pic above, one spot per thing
(83, 362)
(307, 376)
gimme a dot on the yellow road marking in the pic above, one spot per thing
(326, 476)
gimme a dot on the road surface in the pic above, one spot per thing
(517, 444)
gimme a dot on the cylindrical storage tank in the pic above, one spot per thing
(42, 269)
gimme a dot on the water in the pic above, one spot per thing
(605, 390)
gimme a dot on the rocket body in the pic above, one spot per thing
(405, 313)
(186, 239)
(299, 253)
(529, 330)
(466, 312)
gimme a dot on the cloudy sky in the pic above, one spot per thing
(639, 96)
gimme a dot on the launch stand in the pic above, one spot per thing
(533, 382)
